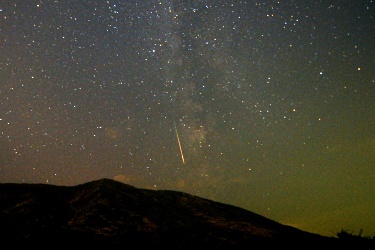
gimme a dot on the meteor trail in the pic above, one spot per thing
(179, 143)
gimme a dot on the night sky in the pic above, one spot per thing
(265, 105)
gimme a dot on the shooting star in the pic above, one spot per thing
(179, 143)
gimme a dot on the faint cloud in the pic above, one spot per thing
(112, 133)
(124, 178)
(181, 183)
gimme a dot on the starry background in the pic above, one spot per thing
(273, 102)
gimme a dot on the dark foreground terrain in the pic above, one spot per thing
(107, 214)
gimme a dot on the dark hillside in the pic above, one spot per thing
(109, 214)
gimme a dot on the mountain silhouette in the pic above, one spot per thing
(106, 214)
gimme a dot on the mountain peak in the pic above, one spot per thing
(112, 214)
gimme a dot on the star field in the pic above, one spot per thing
(272, 101)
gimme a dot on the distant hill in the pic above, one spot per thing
(107, 214)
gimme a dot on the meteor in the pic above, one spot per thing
(179, 143)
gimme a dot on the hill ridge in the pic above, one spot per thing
(107, 213)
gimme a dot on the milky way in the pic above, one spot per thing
(272, 102)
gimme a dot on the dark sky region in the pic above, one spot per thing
(272, 102)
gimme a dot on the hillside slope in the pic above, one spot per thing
(109, 214)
